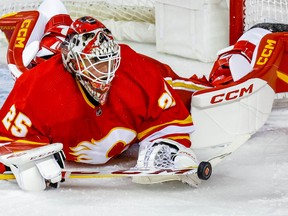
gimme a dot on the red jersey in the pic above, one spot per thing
(48, 105)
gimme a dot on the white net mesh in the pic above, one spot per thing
(257, 11)
(126, 10)
(132, 20)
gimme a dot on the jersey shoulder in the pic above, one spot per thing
(45, 74)
(140, 66)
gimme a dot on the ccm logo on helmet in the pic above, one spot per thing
(232, 95)
(22, 33)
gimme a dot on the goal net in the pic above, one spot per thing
(128, 10)
(131, 14)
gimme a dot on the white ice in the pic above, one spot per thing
(251, 182)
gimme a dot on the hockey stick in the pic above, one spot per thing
(73, 174)
(236, 143)
(203, 171)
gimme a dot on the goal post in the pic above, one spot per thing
(236, 20)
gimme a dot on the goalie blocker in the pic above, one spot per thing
(38, 168)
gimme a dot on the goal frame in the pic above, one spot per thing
(236, 19)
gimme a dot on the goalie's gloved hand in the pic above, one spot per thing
(166, 154)
(38, 168)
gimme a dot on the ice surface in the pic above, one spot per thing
(251, 182)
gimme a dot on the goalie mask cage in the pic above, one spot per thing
(243, 13)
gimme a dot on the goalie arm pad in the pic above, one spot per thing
(36, 168)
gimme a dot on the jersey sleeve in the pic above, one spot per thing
(167, 116)
(18, 118)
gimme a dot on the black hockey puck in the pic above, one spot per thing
(204, 170)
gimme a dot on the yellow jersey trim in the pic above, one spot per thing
(84, 95)
(181, 122)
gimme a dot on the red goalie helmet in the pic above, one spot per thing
(90, 53)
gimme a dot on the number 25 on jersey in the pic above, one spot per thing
(16, 122)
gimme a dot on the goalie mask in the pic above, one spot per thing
(91, 55)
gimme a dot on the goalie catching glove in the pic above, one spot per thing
(37, 168)
(166, 154)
